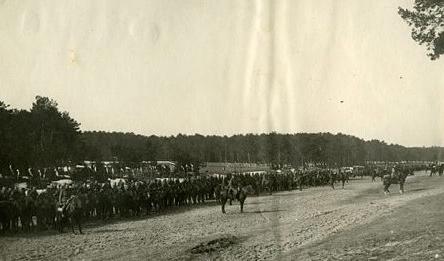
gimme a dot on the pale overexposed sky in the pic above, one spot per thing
(225, 67)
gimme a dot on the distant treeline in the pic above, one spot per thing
(44, 136)
(274, 148)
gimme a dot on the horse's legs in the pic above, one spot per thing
(343, 183)
(80, 226)
(401, 188)
(223, 202)
(386, 189)
(72, 226)
(231, 201)
(59, 223)
(241, 201)
(14, 224)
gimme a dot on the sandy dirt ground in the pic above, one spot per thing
(414, 231)
(271, 228)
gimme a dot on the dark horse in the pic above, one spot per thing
(398, 177)
(433, 170)
(71, 213)
(9, 213)
(232, 194)
(339, 176)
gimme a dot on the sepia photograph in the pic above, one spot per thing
(221, 130)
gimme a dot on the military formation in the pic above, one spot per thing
(31, 209)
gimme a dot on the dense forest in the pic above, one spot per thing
(40, 137)
(44, 136)
(264, 148)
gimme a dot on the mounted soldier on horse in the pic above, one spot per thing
(70, 211)
(232, 192)
(397, 175)
(338, 175)
(436, 169)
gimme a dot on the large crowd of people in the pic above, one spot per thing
(26, 209)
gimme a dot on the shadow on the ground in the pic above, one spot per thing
(417, 189)
(264, 211)
(255, 203)
(107, 230)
